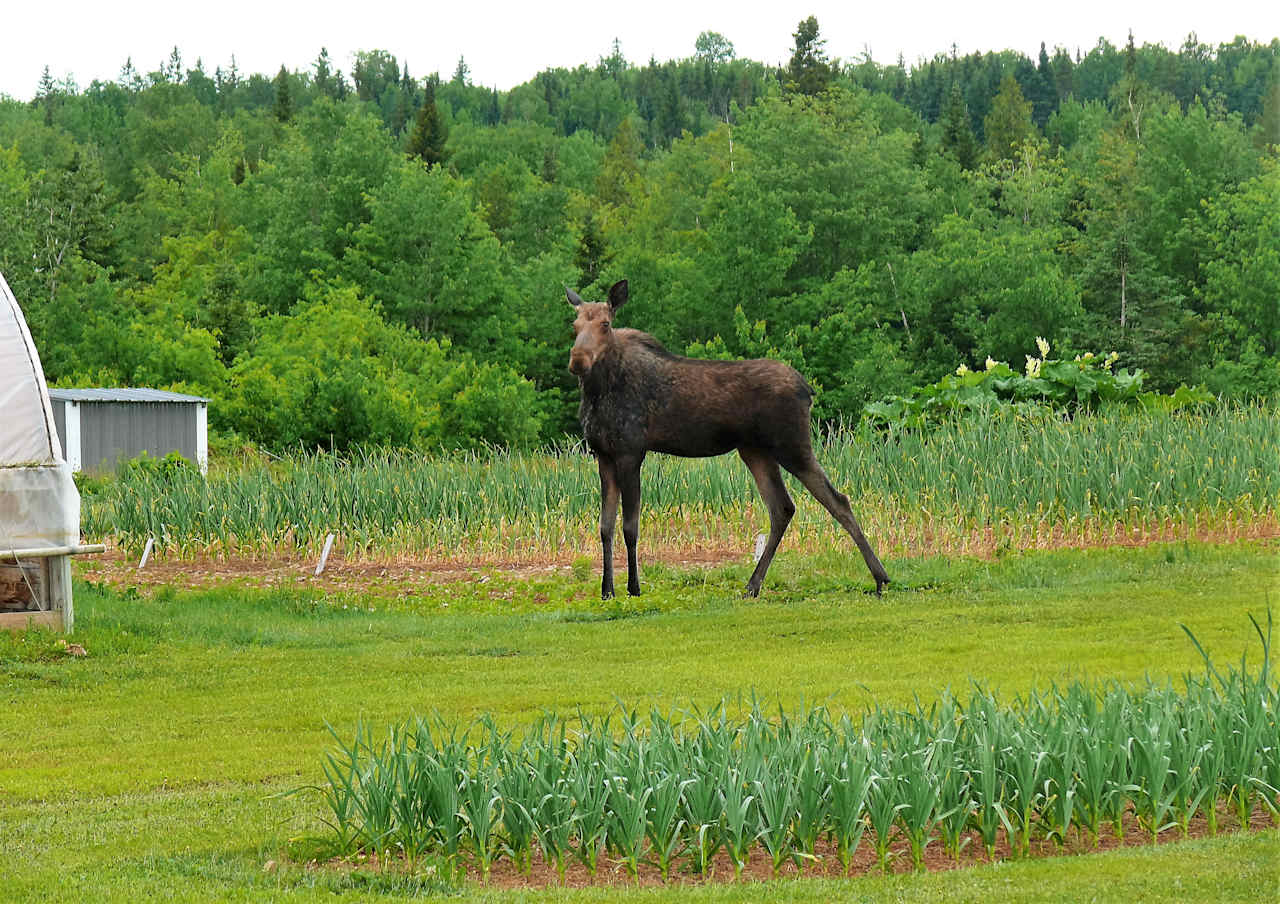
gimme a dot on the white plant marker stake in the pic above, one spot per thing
(146, 552)
(760, 541)
(324, 555)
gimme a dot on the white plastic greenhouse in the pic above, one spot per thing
(39, 505)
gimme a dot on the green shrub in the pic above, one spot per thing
(1084, 383)
(335, 375)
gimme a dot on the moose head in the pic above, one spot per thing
(593, 327)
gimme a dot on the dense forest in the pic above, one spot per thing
(339, 258)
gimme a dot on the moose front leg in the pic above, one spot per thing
(629, 481)
(609, 492)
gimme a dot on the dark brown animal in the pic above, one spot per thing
(637, 398)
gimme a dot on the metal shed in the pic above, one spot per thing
(101, 427)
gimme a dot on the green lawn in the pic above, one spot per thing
(150, 768)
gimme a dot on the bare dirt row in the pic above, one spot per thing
(396, 576)
(543, 874)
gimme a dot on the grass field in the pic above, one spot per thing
(154, 766)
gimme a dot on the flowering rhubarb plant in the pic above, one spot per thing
(1084, 382)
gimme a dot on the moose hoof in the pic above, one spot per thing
(750, 592)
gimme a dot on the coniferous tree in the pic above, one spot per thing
(173, 68)
(201, 85)
(227, 82)
(671, 115)
(615, 63)
(1063, 75)
(809, 72)
(1129, 96)
(589, 255)
(957, 132)
(323, 78)
(1009, 122)
(342, 90)
(404, 103)
(129, 79)
(1269, 123)
(429, 132)
(1044, 97)
(283, 109)
(46, 94)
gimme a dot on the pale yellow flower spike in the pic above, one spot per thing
(1043, 345)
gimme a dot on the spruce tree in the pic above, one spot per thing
(46, 95)
(494, 114)
(808, 72)
(1044, 96)
(400, 116)
(283, 108)
(173, 68)
(1129, 96)
(1269, 123)
(957, 131)
(323, 80)
(1063, 75)
(589, 255)
(130, 80)
(429, 133)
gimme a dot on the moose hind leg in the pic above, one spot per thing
(764, 468)
(816, 482)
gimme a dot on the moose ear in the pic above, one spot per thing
(572, 296)
(618, 294)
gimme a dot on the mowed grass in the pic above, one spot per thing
(152, 767)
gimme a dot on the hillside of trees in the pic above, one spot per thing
(339, 258)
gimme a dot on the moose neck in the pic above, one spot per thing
(605, 375)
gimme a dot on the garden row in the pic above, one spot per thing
(677, 789)
(1010, 471)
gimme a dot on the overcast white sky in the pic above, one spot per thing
(508, 43)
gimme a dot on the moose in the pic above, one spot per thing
(637, 398)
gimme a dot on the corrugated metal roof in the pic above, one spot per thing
(121, 395)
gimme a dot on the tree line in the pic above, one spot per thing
(372, 257)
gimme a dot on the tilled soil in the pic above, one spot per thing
(864, 861)
(396, 576)
(393, 576)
